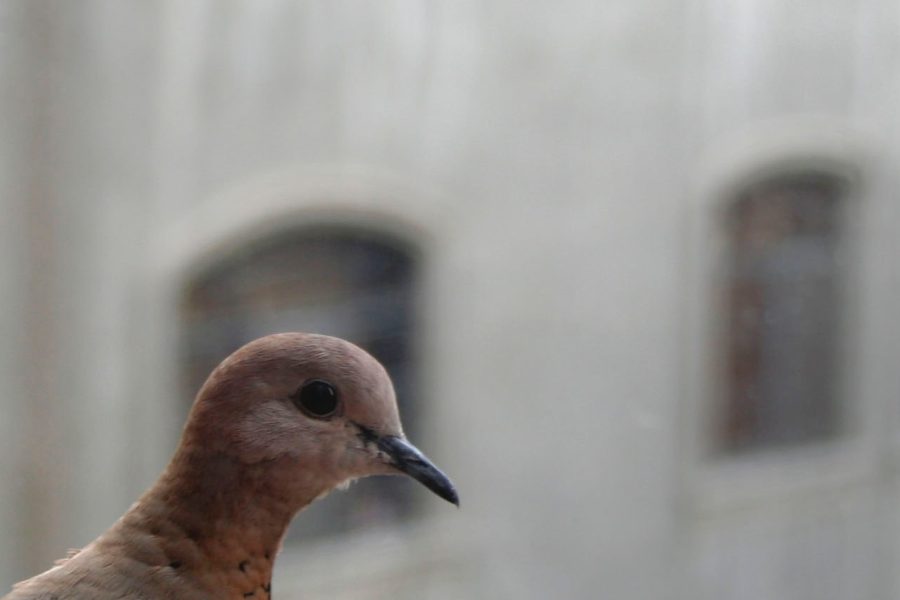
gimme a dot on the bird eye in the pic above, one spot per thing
(316, 398)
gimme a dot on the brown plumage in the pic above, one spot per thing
(279, 423)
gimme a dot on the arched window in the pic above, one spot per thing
(784, 312)
(341, 282)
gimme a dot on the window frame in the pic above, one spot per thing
(732, 481)
(732, 272)
(284, 243)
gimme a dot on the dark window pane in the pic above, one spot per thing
(783, 313)
(337, 282)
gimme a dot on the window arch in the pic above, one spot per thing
(784, 311)
(341, 281)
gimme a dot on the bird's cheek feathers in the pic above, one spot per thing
(270, 433)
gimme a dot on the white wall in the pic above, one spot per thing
(549, 157)
(13, 185)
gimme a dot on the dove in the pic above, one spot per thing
(278, 424)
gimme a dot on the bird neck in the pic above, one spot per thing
(227, 519)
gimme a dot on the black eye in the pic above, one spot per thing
(316, 398)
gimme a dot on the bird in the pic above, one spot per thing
(279, 423)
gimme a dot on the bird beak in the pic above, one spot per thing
(406, 458)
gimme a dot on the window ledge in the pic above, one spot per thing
(735, 483)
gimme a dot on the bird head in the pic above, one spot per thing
(319, 407)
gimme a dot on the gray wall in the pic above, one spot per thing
(556, 162)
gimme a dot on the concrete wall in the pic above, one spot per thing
(556, 163)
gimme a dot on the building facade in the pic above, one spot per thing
(635, 271)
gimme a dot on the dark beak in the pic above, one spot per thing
(406, 458)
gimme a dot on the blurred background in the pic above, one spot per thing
(632, 265)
